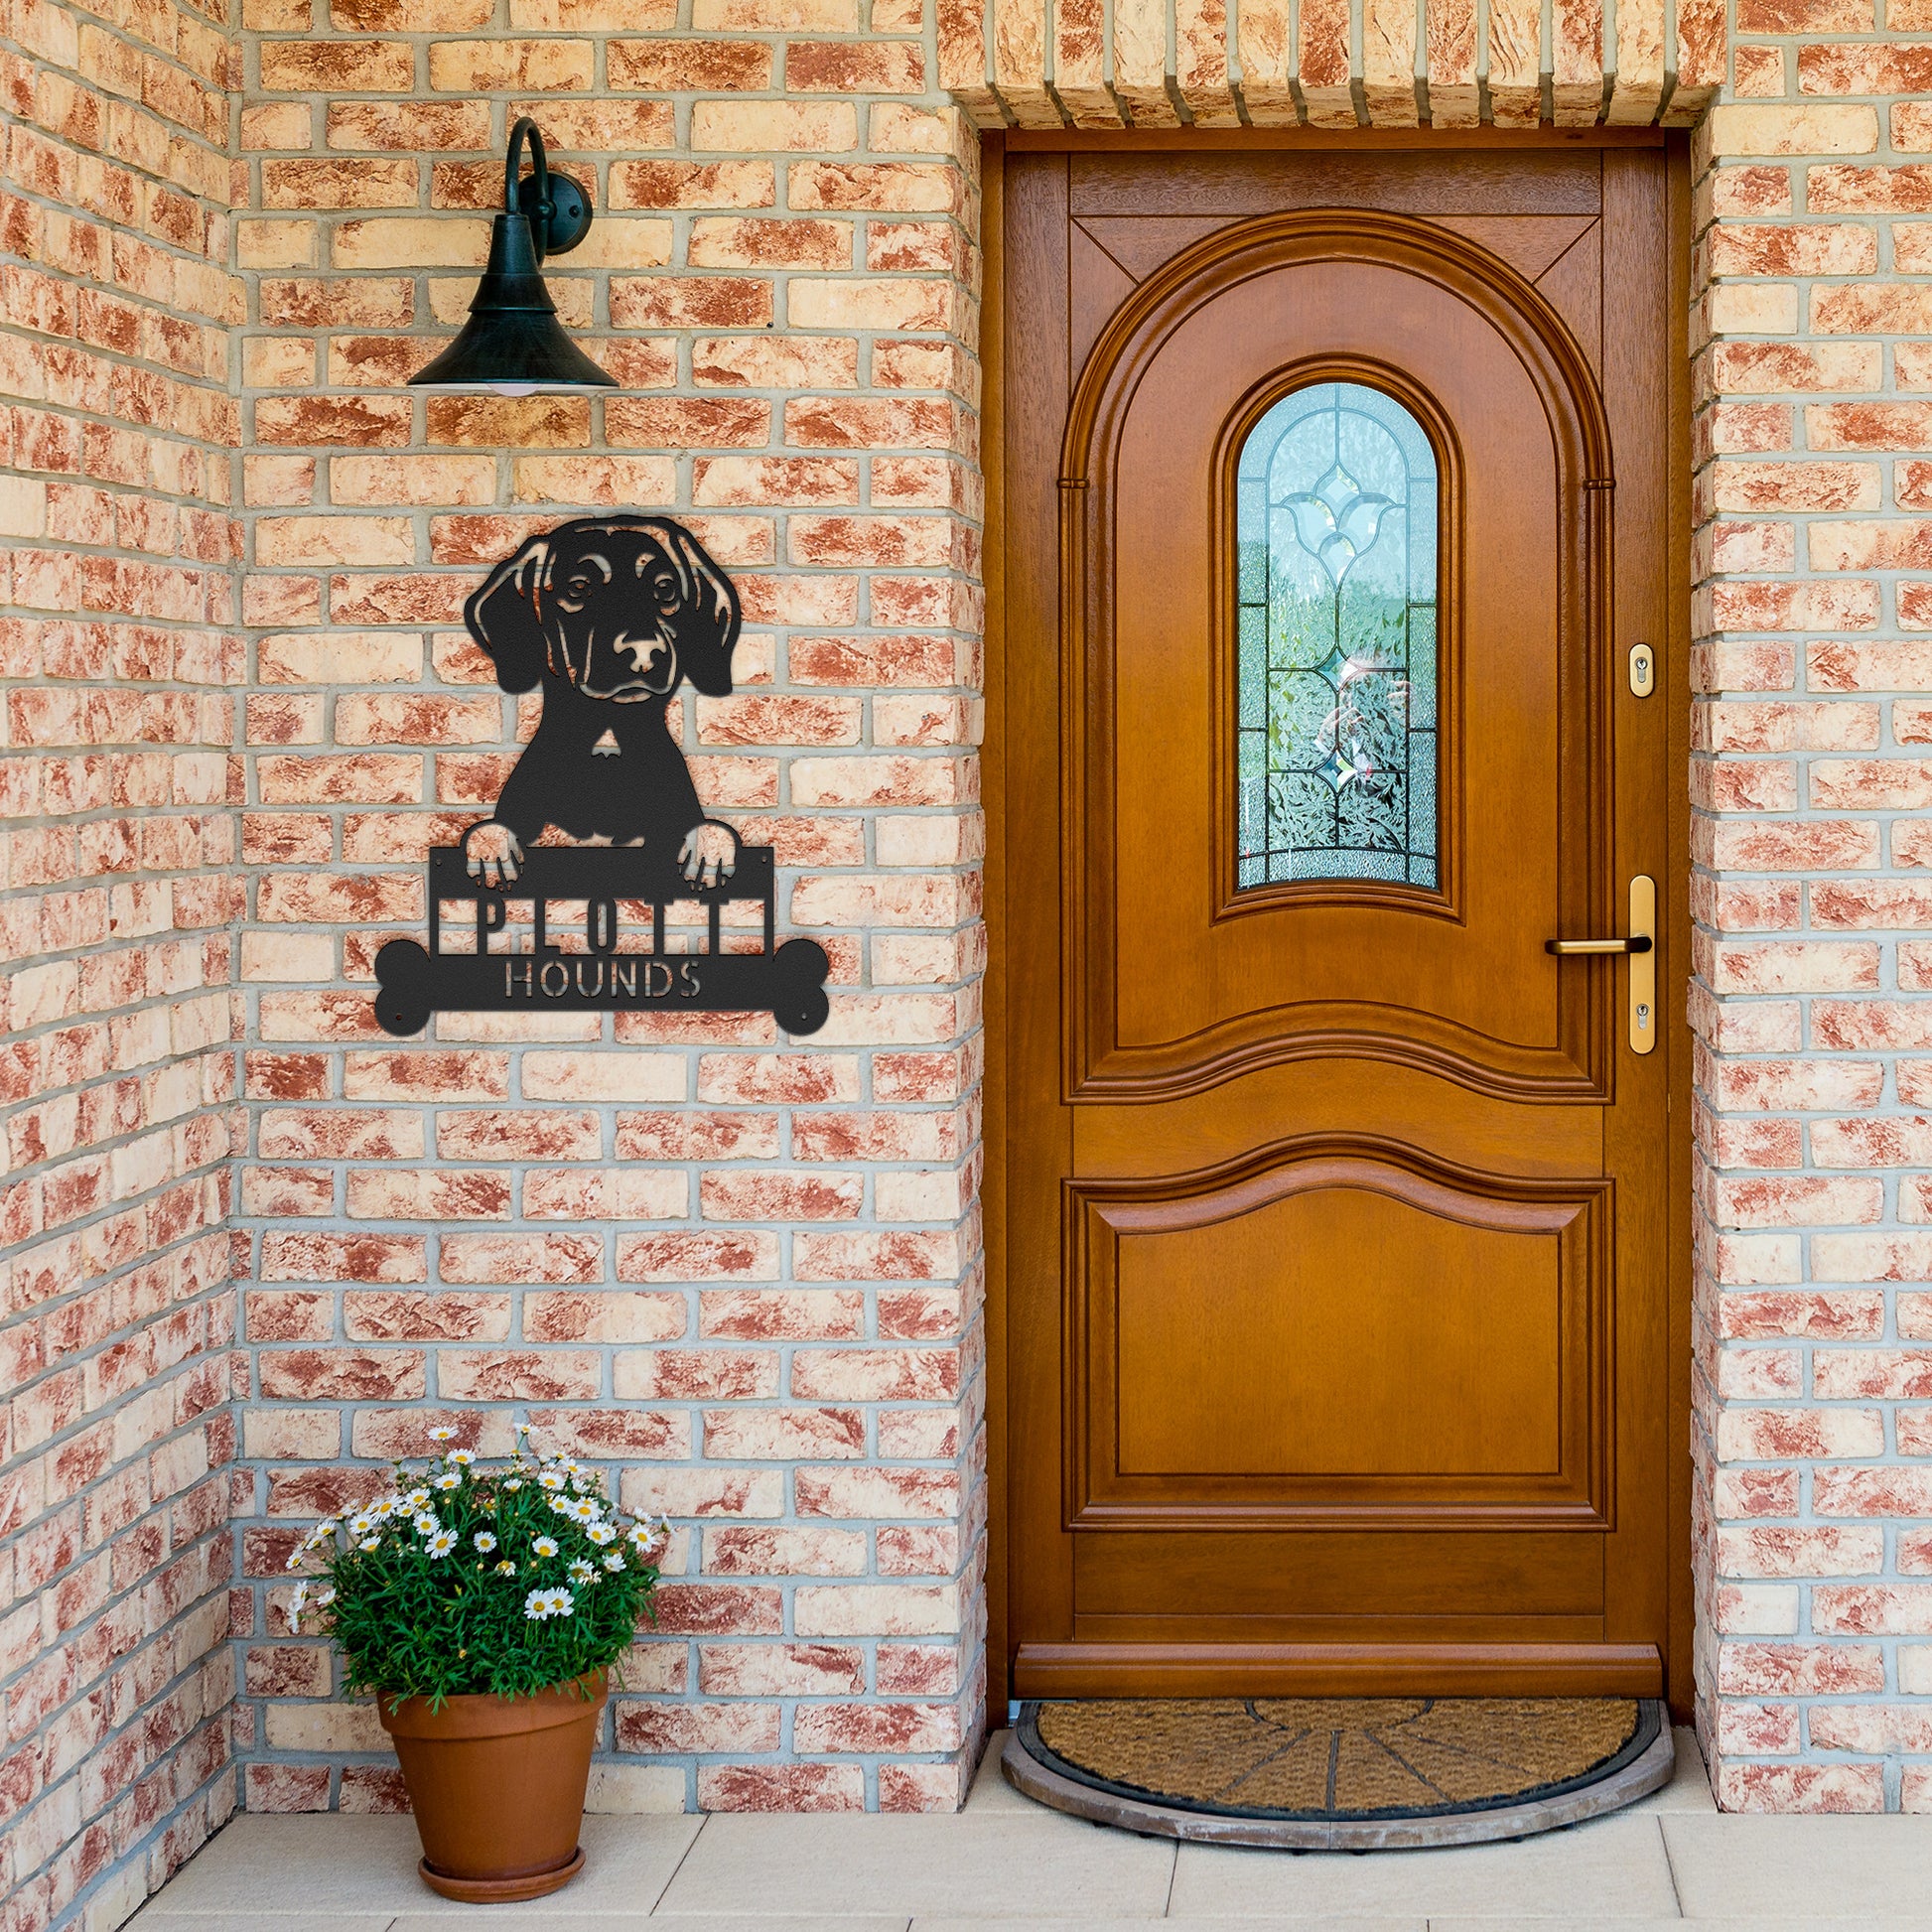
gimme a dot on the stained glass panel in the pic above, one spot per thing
(1336, 513)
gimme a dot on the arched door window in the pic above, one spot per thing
(1336, 530)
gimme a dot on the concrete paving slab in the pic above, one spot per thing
(1759, 1866)
(158, 1921)
(990, 1790)
(307, 1867)
(1689, 1788)
(1039, 1865)
(782, 1922)
(1180, 1925)
(1613, 1868)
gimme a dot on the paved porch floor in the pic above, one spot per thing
(1670, 1859)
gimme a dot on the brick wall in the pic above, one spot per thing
(1810, 782)
(120, 671)
(742, 1273)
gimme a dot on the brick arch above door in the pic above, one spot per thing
(1109, 64)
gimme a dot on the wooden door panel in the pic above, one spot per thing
(1322, 1576)
(1321, 1096)
(1519, 182)
(1223, 1322)
(1337, 1282)
(1238, 1355)
(1454, 976)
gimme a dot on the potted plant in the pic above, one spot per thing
(486, 1607)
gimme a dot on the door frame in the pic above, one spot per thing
(1675, 689)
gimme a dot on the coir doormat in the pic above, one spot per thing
(1340, 1772)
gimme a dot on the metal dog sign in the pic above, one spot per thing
(609, 615)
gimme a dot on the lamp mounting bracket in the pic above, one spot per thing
(558, 209)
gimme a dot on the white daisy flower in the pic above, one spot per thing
(325, 1597)
(584, 1510)
(360, 1523)
(486, 1541)
(450, 1480)
(642, 1535)
(461, 1457)
(545, 1546)
(600, 1533)
(551, 1479)
(442, 1435)
(370, 1543)
(442, 1543)
(425, 1523)
(515, 1483)
(416, 1499)
(537, 1606)
(295, 1558)
(582, 1572)
(386, 1508)
(614, 1561)
(506, 1568)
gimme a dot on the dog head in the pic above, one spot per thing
(623, 607)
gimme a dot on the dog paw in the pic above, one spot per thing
(492, 853)
(711, 851)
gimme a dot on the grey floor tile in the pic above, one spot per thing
(1179, 1924)
(1689, 1788)
(782, 1922)
(1615, 1868)
(265, 1867)
(1760, 1867)
(992, 1866)
(304, 1867)
(991, 1791)
(1587, 1923)
(256, 1921)
(523, 1918)
(1591, 1923)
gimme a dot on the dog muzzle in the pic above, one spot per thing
(628, 668)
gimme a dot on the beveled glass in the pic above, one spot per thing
(1336, 604)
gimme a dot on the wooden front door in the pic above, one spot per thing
(1341, 1347)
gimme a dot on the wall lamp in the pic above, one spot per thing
(513, 343)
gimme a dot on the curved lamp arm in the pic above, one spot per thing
(540, 209)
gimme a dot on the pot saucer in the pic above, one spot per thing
(501, 1891)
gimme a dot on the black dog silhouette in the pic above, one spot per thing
(609, 613)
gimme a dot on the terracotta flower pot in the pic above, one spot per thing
(497, 1786)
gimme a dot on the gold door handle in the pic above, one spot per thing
(1570, 949)
(1641, 947)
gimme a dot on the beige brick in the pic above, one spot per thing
(276, 244)
(365, 540)
(395, 480)
(410, 242)
(1807, 129)
(634, 481)
(486, 66)
(765, 126)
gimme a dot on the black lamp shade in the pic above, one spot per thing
(513, 343)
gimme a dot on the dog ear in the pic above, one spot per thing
(505, 617)
(707, 626)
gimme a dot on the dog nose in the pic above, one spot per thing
(638, 667)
